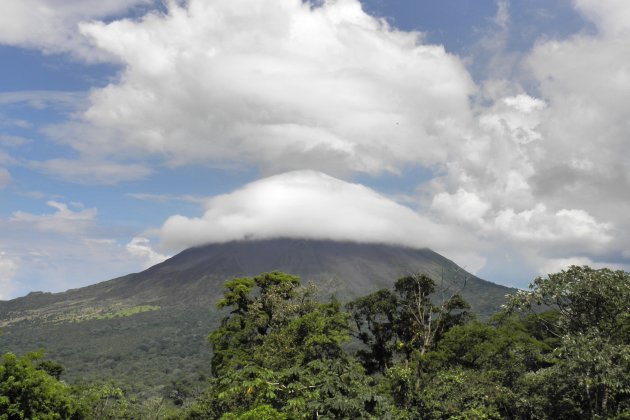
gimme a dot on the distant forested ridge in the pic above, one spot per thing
(558, 351)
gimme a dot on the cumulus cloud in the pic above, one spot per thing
(284, 84)
(281, 84)
(537, 225)
(141, 248)
(64, 220)
(311, 205)
(612, 17)
(52, 25)
(515, 168)
(56, 259)
(491, 166)
(462, 206)
(586, 81)
(50, 261)
(8, 268)
(545, 174)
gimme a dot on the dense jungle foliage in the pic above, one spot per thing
(558, 351)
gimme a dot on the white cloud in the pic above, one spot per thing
(5, 158)
(556, 265)
(546, 175)
(539, 225)
(161, 198)
(360, 97)
(141, 248)
(515, 117)
(89, 171)
(39, 195)
(52, 25)
(493, 160)
(280, 84)
(5, 178)
(50, 261)
(586, 81)
(312, 205)
(6, 121)
(12, 141)
(462, 206)
(57, 259)
(8, 268)
(612, 17)
(490, 58)
(43, 99)
(60, 250)
(64, 220)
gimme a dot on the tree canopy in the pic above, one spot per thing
(560, 350)
(28, 391)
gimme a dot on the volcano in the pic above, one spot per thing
(149, 328)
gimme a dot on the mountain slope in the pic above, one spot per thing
(151, 326)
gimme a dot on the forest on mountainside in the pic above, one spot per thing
(560, 350)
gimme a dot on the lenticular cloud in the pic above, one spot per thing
(305, 204)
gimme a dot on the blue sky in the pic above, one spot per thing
(492, 131)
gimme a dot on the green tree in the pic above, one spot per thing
(103, 401)
(421, 322)
(469, 374)
(586, 299)
(280, 348)
(258, 307)
(376, 319)
(262, 412)
(405, 321)
(27, 392)
(590, 376)
(52, 368)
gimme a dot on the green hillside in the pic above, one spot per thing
(282, 352)
(148, 330)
